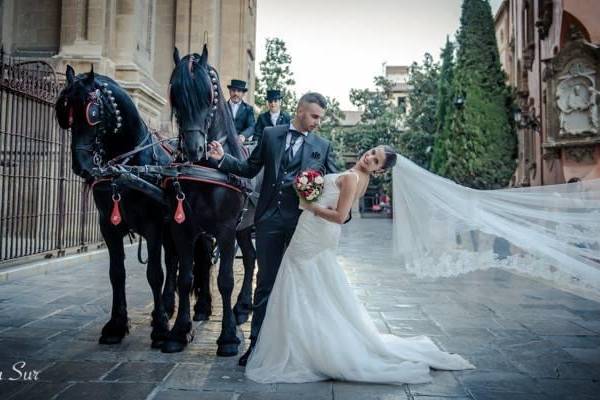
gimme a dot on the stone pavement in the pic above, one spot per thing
(528, 341)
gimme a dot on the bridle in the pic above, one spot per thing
(99, 104)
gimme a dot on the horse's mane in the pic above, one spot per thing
(194, 93)
(232, 145)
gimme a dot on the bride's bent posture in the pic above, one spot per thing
(315, 327)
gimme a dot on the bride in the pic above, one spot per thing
(315, 328)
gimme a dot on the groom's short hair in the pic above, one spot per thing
(313, 97)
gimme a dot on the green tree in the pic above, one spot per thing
(276, 73)
(477, 145)
(380, 124)
(416, 143)
(375, 104)
(445, 95)
(330, 127)
(445, 99)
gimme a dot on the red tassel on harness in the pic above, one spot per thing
(179, 213)
(115, 215)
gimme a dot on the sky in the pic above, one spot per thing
(337, 45)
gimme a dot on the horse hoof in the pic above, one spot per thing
(172, 346)
(241, 318)
(110, 340)
(200, 316)
(227, 350)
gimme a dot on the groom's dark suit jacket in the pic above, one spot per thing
(317, 153)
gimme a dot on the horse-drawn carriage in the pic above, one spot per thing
(166, 191)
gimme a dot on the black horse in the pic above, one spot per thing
(104, 124)
(212, 208)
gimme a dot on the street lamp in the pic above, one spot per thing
(459, 102)
(526, 120)
(517, 115)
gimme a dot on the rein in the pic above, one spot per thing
(127, 156)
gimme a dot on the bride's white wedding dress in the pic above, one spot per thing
(315, 328)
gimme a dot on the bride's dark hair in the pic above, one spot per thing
(390, 157)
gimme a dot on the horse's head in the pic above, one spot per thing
(195, 98)
(88, 105)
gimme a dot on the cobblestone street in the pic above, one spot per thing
(527, 340)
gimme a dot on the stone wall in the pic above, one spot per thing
(133, 40)
(539, 34)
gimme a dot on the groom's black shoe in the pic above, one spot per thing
(244, 359)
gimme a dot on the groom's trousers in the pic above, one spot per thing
(273, 235)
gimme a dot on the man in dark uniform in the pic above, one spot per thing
(272, 117)
(242, 112)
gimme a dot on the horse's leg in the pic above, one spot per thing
(181, 333)
(228, 341)
(201, 287)
(154, 273)
(243, 306)
(171, 264)
(118, 325)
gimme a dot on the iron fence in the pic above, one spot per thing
(42, 201)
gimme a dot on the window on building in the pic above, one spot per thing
(401, 102)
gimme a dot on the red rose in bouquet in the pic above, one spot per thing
(309, 184)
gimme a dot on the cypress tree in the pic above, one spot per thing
(445, 98)
(445, 94)
(477, 145)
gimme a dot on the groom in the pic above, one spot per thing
(284, 151)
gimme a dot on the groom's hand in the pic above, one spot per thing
(216, 150)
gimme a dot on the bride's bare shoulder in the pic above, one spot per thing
(346, 179)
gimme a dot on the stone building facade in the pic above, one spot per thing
(399, 75)
(550, 50)
(133, 40)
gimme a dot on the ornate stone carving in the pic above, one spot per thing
(551, 153)
(576, 101)
(547, 72)
(571, 96)
(580, 153)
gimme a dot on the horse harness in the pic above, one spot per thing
(100, 104)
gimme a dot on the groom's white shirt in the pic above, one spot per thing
(299, 141)
(288, 138)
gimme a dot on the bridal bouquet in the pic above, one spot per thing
(309, 184)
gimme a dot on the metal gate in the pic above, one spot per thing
(41, 199)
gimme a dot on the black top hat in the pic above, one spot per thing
(237, 84)
(273, 94)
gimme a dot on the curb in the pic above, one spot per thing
(44, 267)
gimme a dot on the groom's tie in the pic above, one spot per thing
(289, 154)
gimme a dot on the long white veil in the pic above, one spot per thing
(548, 232)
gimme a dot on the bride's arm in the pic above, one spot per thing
(348, 186)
